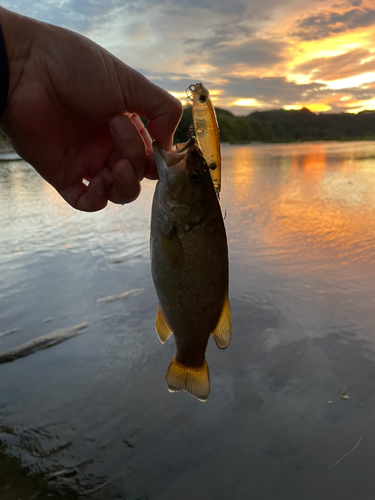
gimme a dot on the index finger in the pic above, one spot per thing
(161, 109)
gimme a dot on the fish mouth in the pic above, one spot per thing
(172, 160)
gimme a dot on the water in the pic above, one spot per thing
(300, 220)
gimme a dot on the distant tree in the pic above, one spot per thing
(282, 125)
(233, 129)
(312, 126)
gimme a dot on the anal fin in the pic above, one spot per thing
(195, 380)
(223, 330)
(161, 326)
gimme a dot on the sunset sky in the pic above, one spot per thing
(251, 55)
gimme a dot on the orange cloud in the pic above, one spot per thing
(345, 65)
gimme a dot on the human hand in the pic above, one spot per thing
(73, 113)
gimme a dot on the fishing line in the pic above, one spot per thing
(239, 247)
(234, 220)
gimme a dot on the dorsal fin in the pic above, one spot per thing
(223, 330)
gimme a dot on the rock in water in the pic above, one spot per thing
(42, 342)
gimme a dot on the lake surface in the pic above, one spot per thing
(300, 221)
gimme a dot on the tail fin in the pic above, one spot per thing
(195, 380)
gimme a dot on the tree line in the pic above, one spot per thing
(286, 126)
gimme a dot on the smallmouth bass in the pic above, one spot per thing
(189, 263)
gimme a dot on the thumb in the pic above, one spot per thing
(161, 109)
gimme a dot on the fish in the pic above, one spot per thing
(189, 264)
(206, 130)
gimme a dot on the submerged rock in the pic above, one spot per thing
(124, 295)
(42, 342)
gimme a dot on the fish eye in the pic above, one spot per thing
(202, 98)
(195, 176)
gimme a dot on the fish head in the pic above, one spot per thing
(185, 190)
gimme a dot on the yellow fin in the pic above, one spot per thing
(223, 330)
(161, 326)
(195, 380)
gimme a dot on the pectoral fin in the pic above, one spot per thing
(223, 331)
(161, 326)
(195, 380)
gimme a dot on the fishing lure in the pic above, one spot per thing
(206, 130)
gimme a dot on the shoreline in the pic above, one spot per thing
(6, 146)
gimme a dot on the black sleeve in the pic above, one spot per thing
(4, 74)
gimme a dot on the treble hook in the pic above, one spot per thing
(191, 131)
(189, 91)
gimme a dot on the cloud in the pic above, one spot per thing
(219, 37)
(254, 54)
(78, 15)
(362, 93)
(179, 42)
(181, 8)
(276, 91)
(271, 93)
(232, 8)
(173, 82)
(339, 67)
(325, 24)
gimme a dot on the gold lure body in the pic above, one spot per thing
(206, 130)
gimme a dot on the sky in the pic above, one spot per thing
(250, 54)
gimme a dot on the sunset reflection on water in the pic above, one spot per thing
(313, 201)
(301, 238)
(310, 201)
